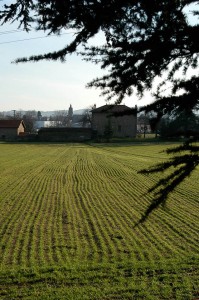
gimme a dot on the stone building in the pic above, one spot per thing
(121, 119)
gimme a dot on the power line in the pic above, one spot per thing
(11, 31)
(36, 38)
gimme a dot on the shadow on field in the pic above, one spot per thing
(184, 163)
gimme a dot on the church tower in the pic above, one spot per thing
(70, 112)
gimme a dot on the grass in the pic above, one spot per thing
(67, 216)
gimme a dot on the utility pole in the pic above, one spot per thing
(144, 125)
(14, 111)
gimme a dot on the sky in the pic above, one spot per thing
(47, 85)
(44, 85)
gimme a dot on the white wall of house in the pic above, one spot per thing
(41, 124)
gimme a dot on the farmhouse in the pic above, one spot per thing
(11, 129)
(120, 118)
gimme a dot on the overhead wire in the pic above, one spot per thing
(35, 38)
(11, 31)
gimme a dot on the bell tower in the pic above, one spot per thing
(70, 112)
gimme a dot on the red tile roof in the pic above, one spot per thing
(11, 123)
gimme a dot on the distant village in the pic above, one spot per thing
(35, 120)
(105, 121)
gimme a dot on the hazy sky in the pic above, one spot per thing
(45, 85)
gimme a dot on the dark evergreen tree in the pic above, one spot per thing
(29, 119)
(184, 125)
(144, 40)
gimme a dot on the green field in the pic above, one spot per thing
(67, 225)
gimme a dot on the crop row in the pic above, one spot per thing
(73, 205)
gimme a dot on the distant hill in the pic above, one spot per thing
(44, 113)
(50, 113)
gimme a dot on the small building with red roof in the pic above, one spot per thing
(11, 129)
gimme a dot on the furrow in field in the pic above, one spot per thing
(114, 216)
(26, 209)
(49, 222)
(101, 202)
(72, 219)
(29, 218)
(109, 171)
(14, 224)
(88, 219)
(77, 206)
(86, 245)
(39, 252)
(123, 211)
(66, 214)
